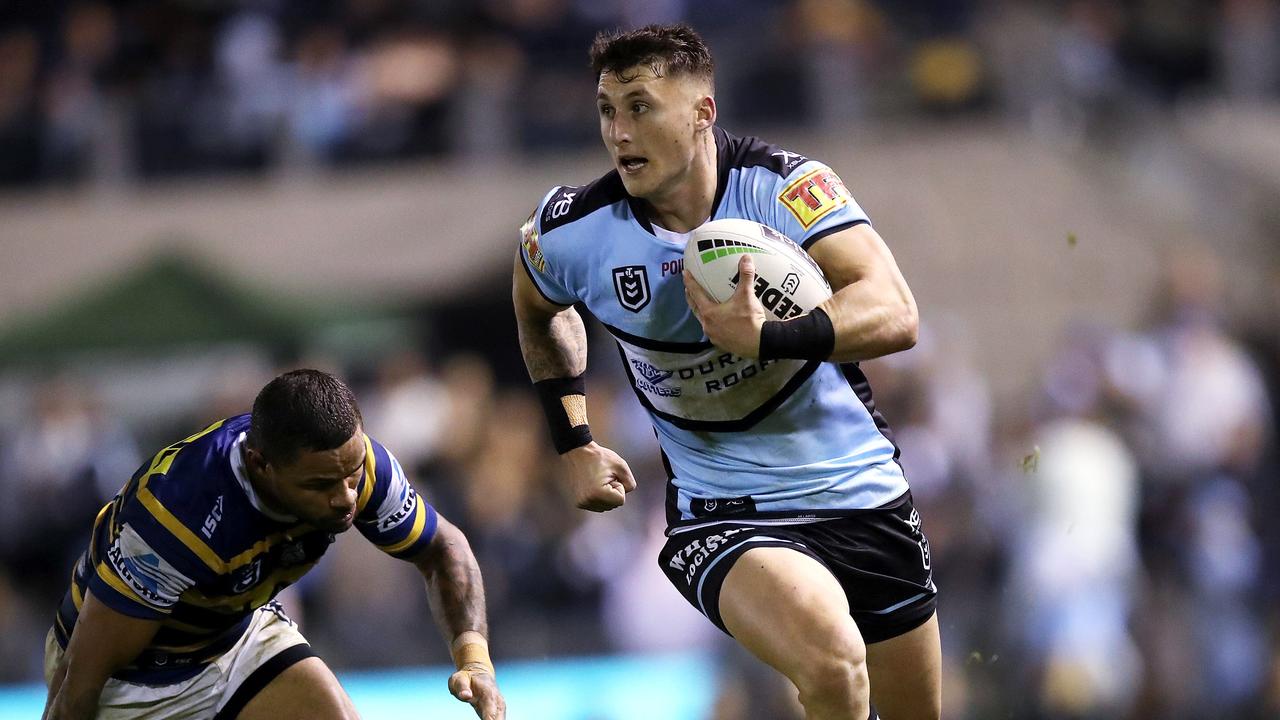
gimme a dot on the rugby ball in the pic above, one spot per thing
(788, 282)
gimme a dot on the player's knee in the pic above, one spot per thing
(836, 678)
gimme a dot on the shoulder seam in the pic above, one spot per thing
(569, 203)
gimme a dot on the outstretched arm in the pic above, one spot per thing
(553, 341)
(456, 593)
(102, 642)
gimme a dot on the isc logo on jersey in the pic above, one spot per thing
(814, 195)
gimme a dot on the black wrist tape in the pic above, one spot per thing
(808, 337)
(564, 400)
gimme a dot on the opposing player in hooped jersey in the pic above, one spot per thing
(170, 612)
(790, 522)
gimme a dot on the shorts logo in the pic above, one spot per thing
(529, 239)
(694, 555)
(814, 196)
(631, 283)
(913, 521)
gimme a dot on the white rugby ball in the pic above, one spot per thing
(788, 282)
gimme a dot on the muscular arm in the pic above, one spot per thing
(553, 339)
(102, 642)
(872, 309)
(453, 583)
(457, 604)
(554, 343)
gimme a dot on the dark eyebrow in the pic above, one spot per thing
(637, 92)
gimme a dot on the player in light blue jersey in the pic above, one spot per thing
(170, 613)
(790, 522)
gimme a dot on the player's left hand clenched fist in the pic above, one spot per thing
(733, 325)
(599, 479)
(476, 686)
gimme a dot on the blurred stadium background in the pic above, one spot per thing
(196, 194)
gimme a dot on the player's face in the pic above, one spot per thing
(650, 126)
(319, 487)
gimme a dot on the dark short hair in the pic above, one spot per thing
(302, 410)
(665, 49)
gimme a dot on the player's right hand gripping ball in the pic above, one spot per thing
(788, 282)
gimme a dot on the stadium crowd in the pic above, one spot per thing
(139, 90)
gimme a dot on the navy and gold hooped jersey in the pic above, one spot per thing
(784, 438)
(188, 542)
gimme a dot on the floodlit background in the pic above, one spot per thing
(198, 194)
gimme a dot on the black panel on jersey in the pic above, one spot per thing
(862, 388)
(569, 203)
(672, 494)
(748, 152)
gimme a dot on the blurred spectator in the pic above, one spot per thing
(21, 141)
(57, 469)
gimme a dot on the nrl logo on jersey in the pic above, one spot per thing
(631, 283)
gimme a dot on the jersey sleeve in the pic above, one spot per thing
(390, 513)
(142, 568)
(809, 203)
(547, 272)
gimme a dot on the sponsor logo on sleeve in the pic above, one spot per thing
(395, 518)
(131, 571)
(529, 239)
(631, 283)
(814, 195)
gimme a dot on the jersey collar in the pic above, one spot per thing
(242, 476)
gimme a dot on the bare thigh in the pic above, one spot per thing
(788, 610)
(307, 690)
(906, 674)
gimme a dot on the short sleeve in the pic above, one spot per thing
(391, 513)
(547, 275)
(812, 202)
(138, 573)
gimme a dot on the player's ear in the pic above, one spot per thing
(255, 460)
(705, 116)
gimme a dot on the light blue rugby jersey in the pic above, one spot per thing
(778, 439)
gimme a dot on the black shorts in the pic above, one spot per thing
(880, 557)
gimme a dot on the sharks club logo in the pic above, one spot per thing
(631, 283)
